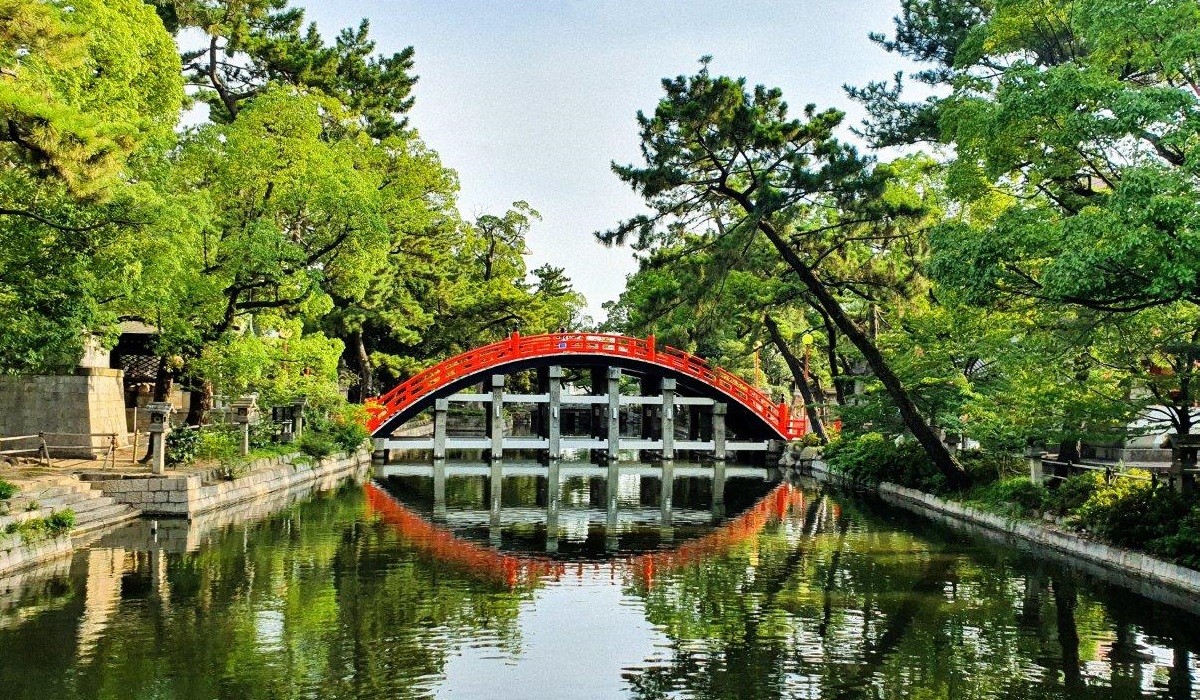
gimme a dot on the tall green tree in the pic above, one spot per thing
(1074, 128)
(712, 145)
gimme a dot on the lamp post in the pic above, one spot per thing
(160, 425)
(807, 340)
(245, 412)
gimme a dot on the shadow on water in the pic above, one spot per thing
(624, 584)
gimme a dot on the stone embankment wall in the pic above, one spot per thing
(89, 401)
(188, 496)
(16, 554)
(1146, 575)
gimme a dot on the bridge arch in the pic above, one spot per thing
(752, 408)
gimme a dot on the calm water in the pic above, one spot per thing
(418, 585)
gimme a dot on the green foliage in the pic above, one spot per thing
(33, 529)
(182, 446)
(316, 445)
(1183, 546)
(1018, 497)
(7, 489)
(1074, 491)
(1132, 512)
(871, 458)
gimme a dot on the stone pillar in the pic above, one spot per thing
(668, 419)
(667, 498)
(439, 490)
(719, 411)
(554, 433)
(614, 413)
(496, 492)
(160, 425)
(440, 409)
(496, 424)
(718, 491)
(245, 412)
(553, 496)
(611, 539)
(298, 416)
(1034, 458)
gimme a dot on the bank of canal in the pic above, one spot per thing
(370, 591)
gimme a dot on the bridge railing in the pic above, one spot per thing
(517, 347)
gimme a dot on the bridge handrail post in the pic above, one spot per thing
(650, 350)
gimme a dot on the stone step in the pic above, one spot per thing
(99, 517)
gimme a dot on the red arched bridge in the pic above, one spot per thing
(671, 380)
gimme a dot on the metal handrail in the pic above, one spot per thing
(517, 347)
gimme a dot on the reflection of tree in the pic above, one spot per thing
(831, 602)
(311, 602)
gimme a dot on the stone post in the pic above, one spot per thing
(439, 490)
(298, 416)
(553, 487)
(1034, 458)
(245, 412)
(719, 411)
(611, 539)
(497, 417)
(667, 500)
(160, 425)
(668, 419)
(554, 433)
(440, 408)
(614, 413)
(718, 491)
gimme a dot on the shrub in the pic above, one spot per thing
(1073, 492)
(871, 458)
(348, 435)
(1184, 545)
(181, 447)
(221, 445)
(316, 445)
(7, 490)
(988, 467)
(1016, 496)
(60, 521)
(1132, 512)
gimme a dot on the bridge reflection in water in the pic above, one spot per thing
(517, 522)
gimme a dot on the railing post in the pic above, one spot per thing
(785, 416)
(650, 350)
(514, 341)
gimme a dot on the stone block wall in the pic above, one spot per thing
(188, 496)
(90, 401)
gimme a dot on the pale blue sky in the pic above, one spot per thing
(532, 99)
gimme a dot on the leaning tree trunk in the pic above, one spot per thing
(797, 369)
(924, 434)
(358, 357)
(201, 403)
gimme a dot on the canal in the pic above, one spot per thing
(423, 583)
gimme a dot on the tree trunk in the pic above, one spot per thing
(358, 357)
(201, 403)
(797, 368)
(835, 370)
(164, 378)
(928, 439)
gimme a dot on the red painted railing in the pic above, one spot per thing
(516, 348)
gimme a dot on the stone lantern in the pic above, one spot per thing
(160, 425)
(298, 416)
(244, 412)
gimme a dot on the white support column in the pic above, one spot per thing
(668, 419)
(497, 417)
(719, 411)
(440, 408)
(555, 432)
(614, 413)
